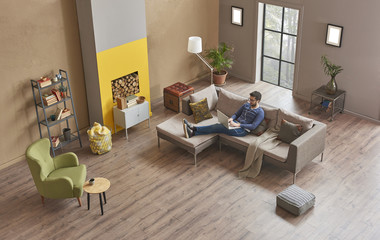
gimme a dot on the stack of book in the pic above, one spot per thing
(49, 100)
(58, 113)
(56, 94)
(44, 81)
(131, 100)
(65, 113)
(55, 141)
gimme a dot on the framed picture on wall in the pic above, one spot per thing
(237, 16)
(334, 35)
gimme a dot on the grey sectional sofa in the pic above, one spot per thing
(292, 157)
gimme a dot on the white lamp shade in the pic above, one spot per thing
(194, 45)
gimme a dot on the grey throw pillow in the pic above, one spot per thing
(263, 126)
(289, 131)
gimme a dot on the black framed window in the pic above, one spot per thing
(280, 27)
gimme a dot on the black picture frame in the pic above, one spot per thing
(334, 35)
(237, 14)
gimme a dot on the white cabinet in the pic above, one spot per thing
(129, 117)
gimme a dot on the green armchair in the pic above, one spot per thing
(58, 177)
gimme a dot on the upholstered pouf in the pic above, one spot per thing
(295, 200)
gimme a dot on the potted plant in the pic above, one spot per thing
(331, 70)
(63, 90)
(220, 60)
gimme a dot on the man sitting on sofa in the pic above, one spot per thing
(246, 119)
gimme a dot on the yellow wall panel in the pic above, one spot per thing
(117, 62)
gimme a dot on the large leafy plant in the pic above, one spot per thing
(329, 68)
(220, 58)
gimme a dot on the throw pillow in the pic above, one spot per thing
(209, 93)
(200, 110)
(289, 131)
(306, 123)
(263, 126)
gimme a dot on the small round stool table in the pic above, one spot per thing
(100, 186)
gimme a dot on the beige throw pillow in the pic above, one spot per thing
(209, 93)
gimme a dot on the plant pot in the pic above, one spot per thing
(67, 134)
(331, 87)
(220, 79)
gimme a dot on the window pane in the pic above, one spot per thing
(272, 42)
(273, 17)
(289, 48)
(291, 21)
(270, 70)
(287, 74)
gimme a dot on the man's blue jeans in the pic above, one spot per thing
(219, 128)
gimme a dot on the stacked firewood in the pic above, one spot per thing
(125, 86)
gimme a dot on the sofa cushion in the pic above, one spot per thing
(229, 103)
(289, 131)
(280, 152)
(173, 128)
(209, 93)
(271, 114)
(200, 110)
(306, 123)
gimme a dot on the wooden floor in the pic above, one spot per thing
(159, 194)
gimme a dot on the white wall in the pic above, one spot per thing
(359, 54)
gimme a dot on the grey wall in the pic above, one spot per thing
(109, 31)
(359, 54)
(90, 65)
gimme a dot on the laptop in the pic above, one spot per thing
(223, 119)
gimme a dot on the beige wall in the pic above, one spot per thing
(169, 24)
(39, 37)
(359, 54)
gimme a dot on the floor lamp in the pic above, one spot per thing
(195, 46)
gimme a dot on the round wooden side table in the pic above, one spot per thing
(100, 186)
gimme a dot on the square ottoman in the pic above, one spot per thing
(174, 94)
(295, 200)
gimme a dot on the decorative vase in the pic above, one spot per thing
(220, 79)
(331, 87)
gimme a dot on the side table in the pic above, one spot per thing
(129, 117)
(100, 186)
(337, 100)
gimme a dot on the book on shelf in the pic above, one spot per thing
(131, 98)
(56, 94)
(49, 100)
(55, 141)
(65, 113)
(44, 81)
(58, 113)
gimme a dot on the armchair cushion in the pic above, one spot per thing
(77, 175)
(66, 160)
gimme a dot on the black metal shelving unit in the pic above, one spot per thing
(46, 121)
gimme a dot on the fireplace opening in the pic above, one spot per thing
(125, 86)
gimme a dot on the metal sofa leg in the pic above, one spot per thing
(195, 159)
(158, 141)
(321, 156)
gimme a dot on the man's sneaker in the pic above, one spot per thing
(188, 132)
(188, 124)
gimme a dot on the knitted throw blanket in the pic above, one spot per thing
(254, 155)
